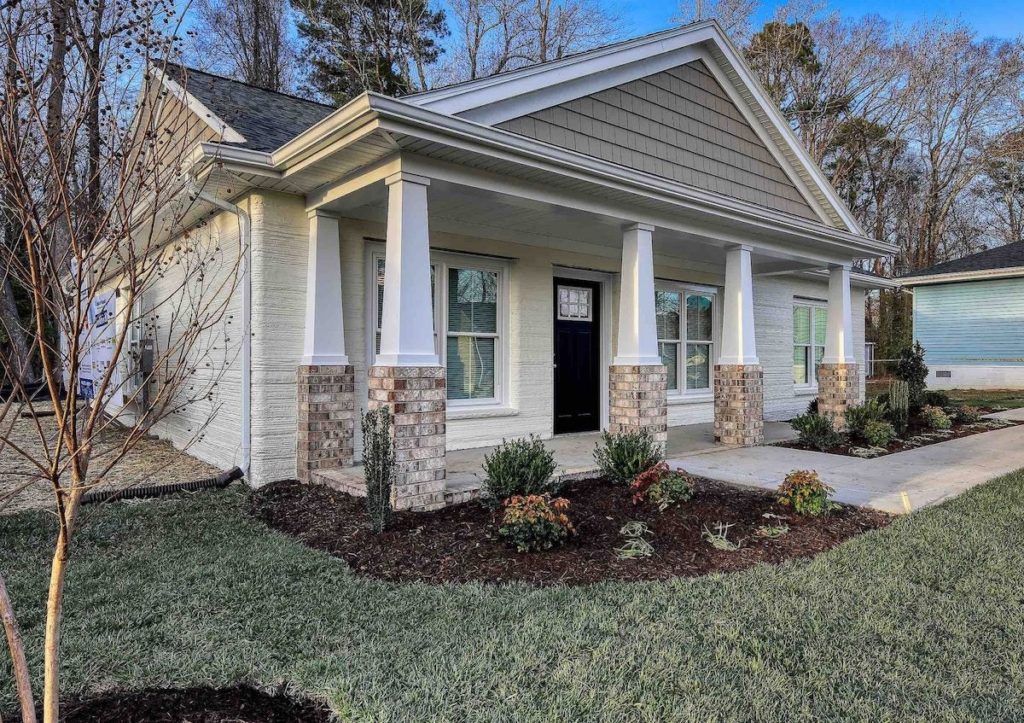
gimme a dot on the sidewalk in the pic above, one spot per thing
(927, 475)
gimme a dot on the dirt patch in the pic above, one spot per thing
(917, 436)
(239, 704)
(461, 543)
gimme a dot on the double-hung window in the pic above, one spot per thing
(468, 302)
(809, 320)
(685, 323)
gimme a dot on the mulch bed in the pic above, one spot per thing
(239, 704)
(902, 444)
(461, 543)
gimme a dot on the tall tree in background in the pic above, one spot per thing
(249, 40)
(733, 15)
(1003, 188)
(492, 36)
(385, 46)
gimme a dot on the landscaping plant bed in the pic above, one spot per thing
(238, 704)
(461, 543)
(917, 436)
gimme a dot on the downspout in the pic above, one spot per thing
(246, 236)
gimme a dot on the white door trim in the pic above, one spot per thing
(605, 280)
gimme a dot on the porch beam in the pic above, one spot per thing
(638, 336)
(407, 331)
(324, 342)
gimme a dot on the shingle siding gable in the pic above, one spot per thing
(679, 124)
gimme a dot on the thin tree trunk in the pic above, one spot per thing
(17, 647)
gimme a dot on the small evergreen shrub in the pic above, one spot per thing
(899, 405)
(911, 369)
(812, 406)
(536, 522)
(378, 466)
(935, 418)
(662, 487)
(804, 491)
(967, 414)
(935, 398)
(519, 467)
(860, 415)
(817, 431)
(623, 456)
(878, 433)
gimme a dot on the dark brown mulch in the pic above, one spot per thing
(461, 543)
(239, 704)
(900, 444)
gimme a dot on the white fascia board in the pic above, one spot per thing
(1009, 272)
(403, 118)
(226, 132)
(857, 278)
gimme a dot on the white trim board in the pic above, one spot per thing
(226, 132)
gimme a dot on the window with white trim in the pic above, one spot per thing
(809, 321)
(468, 300)
(685, 322)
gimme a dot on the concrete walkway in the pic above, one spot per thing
(926, 475)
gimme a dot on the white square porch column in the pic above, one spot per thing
(739, 393)
(637, 378)
(326, 385)
(838, 381)
(407, 376)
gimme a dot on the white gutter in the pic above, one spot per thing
(246, 236)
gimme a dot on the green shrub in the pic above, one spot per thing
(967, 414)
(817, 431)
(934, 418)
(378, 466)
(536, 522)
(812, 406)
(878, 433)
(804, 491)
(519, 467)
(662, 487)
(899, 405)
(911, 369)
(621, 457)
(860, 415)
(935, 398)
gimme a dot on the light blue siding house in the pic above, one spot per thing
(969, 317)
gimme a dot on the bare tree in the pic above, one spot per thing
(249, 40)
(95, 185)
(492, 36)
(733, 15)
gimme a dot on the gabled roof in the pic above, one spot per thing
(1001, 261)
(264, 119)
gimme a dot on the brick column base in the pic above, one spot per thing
(636, 400)
(739, 404)
(417, 398)
(838, 388)
(326, 396)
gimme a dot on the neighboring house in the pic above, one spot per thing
(969, 317)
(630, 237)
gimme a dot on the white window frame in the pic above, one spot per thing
(812, 376)
(441, 262)
(682, 288)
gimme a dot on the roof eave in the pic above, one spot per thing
(958, 276)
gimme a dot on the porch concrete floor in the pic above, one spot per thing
(574, 453)
(926, 475)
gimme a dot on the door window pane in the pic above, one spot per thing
(470, 367)
(698, 366)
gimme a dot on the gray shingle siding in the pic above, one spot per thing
(679, 124)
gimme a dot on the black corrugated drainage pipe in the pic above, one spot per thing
(220, 481)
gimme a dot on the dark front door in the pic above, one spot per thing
(577, 356)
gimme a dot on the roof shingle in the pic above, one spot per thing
(1001, 257)
(266, 119)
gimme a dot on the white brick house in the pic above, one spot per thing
(631, 236)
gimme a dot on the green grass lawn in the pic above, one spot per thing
(923, 620)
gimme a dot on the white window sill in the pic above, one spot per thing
(481, 412)
(805, 391)
(679, 399)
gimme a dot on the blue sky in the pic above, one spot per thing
(1000, 18)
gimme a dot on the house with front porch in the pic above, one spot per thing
(627, 238)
